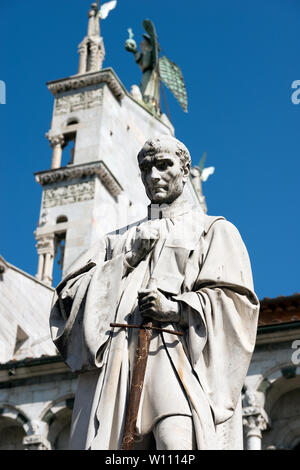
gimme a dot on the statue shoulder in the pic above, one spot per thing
(221, 226)
(207, 221)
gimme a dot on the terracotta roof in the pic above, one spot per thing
(282, 309)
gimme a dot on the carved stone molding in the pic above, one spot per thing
(97, 53)
(45, 244)
(80, 81)
(81, 171)
(78, 101)
(69, 194)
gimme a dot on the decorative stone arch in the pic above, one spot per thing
(281, 386)
(14, 426)
(285, 369)
(58, 417)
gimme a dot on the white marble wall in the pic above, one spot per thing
(24, 302)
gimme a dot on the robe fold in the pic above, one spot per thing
(199, 261)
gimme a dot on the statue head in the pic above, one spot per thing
(165, 164)
(93, 10)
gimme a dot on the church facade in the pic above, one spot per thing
(92, 187)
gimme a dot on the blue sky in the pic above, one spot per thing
(238, 59)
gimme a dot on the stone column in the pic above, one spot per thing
(46, 251)
(255, 421)
(56, 143)
(82, 49)
(48, 268)
(39, 273)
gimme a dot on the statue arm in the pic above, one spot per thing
(221, 314)
(83, 306)
(138, 56)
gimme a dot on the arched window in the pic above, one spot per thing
(61, 218)
(59, 418)
(72, 121)
(11, 434)
(12, 430)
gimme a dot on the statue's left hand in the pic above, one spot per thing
(154, 305)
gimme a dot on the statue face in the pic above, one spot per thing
(163, 176)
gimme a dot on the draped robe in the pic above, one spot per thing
(199, 261)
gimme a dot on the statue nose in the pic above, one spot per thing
(155, 176)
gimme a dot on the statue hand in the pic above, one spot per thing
(153, 304)
(145, 239)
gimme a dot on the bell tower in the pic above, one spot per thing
(93, 185)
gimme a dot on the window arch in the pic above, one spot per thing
(58, 417)
(61, 218)
(13, 424)
(72, 121)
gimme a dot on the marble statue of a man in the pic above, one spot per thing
(203, 288)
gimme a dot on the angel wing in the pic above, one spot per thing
(150, 30)
(106, 8)
(206, 172)
(172, 77)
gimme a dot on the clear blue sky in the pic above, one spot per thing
(239, 59)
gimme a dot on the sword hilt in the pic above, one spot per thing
(145, 327)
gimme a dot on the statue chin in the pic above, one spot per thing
(164, 199)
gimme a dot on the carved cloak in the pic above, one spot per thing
(203, 264)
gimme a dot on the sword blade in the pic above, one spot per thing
(137, 383)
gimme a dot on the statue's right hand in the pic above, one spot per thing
(130, 45)
(145, 239)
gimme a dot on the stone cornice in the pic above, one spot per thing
(81, 171)
(80, 81)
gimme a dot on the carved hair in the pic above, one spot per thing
(168, 144)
